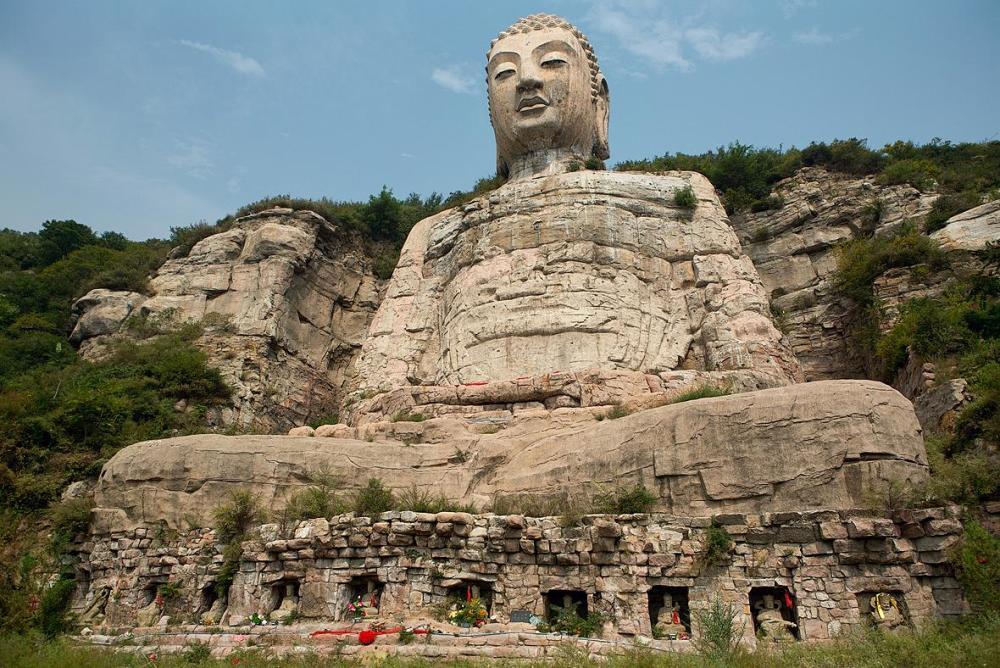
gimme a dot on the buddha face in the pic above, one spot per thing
(540, 94)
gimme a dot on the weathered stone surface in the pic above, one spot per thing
(938, 406)
(971, 230)
(577, 271)
(284, 298)
(814, 445)
(793, 248)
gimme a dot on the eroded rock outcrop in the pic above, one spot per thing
(794, 250)
(815, 445)
(285, 298)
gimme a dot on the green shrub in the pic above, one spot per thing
(384, 264)
(406, 416)
(977, 563)
(52, 619)
(567, 620)
(949, 205)
(617, 411)
(197, 653)
(769, 203)
(761, 234)
(373, 499)
(235, 518)
(718, 635)
(703, 392)
(593, 163)
(232, 554)
(70, 518)
(861, 261)
(718, 545)
(919, 173)
(685, 198)
(317, 500)
(625, 501)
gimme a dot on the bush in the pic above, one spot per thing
(52, 609)
(919, 173)
(703, 392)
(769, 203)
(977, 563)
(318, 500)
(861, 261)
(685, 198)
(405, 416)
(625, 501)
(373, 499)
(593, 163)
(617, 411)
(949, 205)
(718, 545)
(425, 501)
(568, 620)
(70, 518)
(719, 635)
(197, 653)
(235, 518)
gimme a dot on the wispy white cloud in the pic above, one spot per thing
(815, 37)
(191, 156)
(791, 7)
(711, 44)
(455, 80)
(657, 41)
(645, 30)
(237, 61)
(408, 156)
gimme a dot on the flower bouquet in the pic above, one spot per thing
(356, 609)
(471, 612)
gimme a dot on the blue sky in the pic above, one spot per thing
(138, 116)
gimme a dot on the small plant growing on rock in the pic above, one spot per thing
(703, 392)
(404, 416)
(594, 163)
(685, 198)
(719, 636)
(625, 501)
(977, 562)
(718, 545)
(567, 620)
(236, 517)
(617, 411)
(373, 499)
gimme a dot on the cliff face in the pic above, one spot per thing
(794, 250)
(284, 298)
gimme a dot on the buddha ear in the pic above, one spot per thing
(602, 111)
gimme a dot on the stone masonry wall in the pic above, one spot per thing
(828, 561)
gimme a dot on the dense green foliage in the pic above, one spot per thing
(978, 567)
(745, 174)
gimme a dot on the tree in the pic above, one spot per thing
(59, 238)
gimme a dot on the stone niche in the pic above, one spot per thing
(766, 601)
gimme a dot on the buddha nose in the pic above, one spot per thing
(529, 78)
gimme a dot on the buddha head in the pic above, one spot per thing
(547, 97)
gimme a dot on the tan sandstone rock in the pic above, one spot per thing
(814, 445)
(284, 297)
(971, 230)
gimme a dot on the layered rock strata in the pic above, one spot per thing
(575, 272)
(829, 563)
(794, 250)
(832, 444)
(285, 298)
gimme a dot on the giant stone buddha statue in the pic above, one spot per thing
(567, 269)
(516, 322)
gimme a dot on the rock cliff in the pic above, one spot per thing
(794, 250)
(284, 298)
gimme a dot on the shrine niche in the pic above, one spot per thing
(364, 596)
(773, 613)
(669, 613)
(884, 610)
(559, 600)
(284, 603)
(469, 589)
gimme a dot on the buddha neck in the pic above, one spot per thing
(546, 162)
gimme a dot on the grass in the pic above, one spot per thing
(703, 392)
(944, 645)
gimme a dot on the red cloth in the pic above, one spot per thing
(675, 618)
(367, 637)
(788, 601)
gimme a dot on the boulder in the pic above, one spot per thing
(971, 230)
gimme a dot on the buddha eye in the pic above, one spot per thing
(553, 61)
(503, 74)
